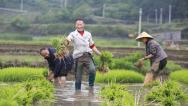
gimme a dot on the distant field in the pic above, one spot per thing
(15, 38)
(23, 58)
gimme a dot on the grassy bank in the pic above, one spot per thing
(25, 87)
(21, 58)
(116, 95)
(21, 74)
(169, 93)
(26, 93)
(181, 76)
(17, 38)
(119, 76)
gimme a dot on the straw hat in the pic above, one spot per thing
(143, 35)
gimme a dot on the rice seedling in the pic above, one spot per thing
(116, 95)
(181, 76)
(169, 93)
(16, 74)
(26, 93)
(119, 76)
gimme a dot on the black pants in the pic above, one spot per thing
(162, 64)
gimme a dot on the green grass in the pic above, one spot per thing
(169, 93)
(15, 36)
(21, 58)
(116, 95)
(35, 41)
(20, 74)
(119, 76)
(32, 87)
(26, 93)
(181, 76)
(115, 42)
(18, 38)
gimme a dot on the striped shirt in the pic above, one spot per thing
(81, 43)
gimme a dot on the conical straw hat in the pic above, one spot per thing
(143, 35)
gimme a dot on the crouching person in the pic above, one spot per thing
(63, 65)
(59, 64)
(49, 55)
(156, 55)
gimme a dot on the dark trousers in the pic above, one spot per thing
(86, 62)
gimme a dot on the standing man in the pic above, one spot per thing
(83, 48)
(156, 55)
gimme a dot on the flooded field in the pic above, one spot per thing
(65, 96)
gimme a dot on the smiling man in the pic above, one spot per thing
(84, 47)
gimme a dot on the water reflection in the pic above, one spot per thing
(65, 96)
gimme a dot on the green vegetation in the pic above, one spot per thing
(96, 30)
(61, 48)
(171, 67)
(15, 37)
(114, 42)
(57, 11)
(185, 33)
(26, 93)
(181, 76)
(105, 60)
(167, 94)
(119, 76)
(52, 17)
(20, 74)
(21, 58)
(20, 38)
(128, 63)
(20, 23)
(116, 95)
(32, 87)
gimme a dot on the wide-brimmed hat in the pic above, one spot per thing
(143, 35)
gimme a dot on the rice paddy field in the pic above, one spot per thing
(24, 86)
(23, 77)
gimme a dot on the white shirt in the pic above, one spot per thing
(81, 43)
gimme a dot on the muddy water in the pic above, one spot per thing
(65, 96)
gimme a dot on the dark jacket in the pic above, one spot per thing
(59, 67)
(51, 58)
(63, 66)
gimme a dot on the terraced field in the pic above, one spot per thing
(179, 56)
